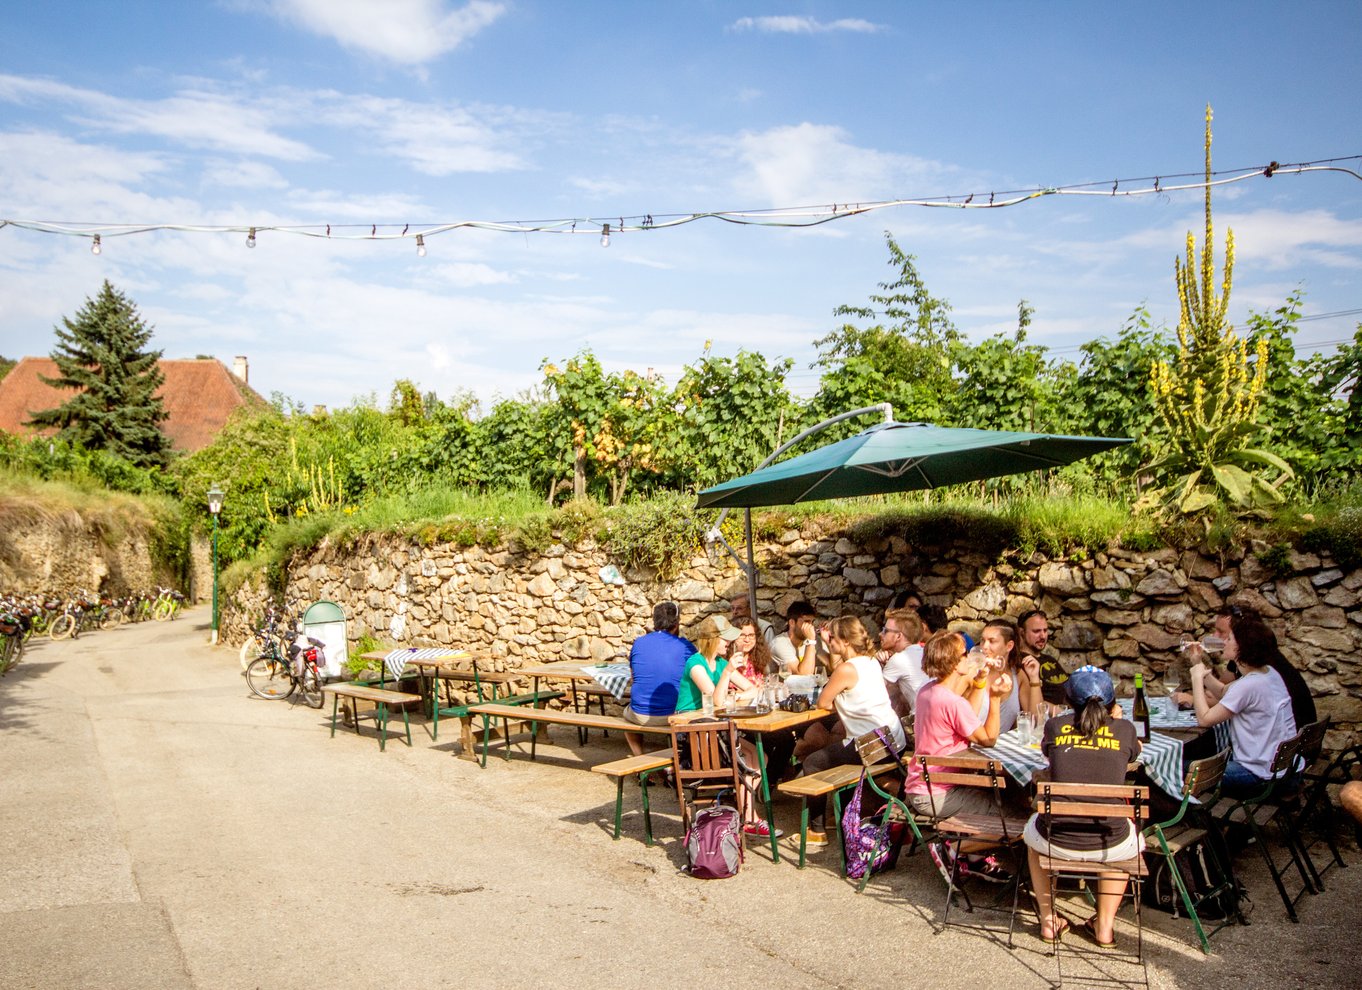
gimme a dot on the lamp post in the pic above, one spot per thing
(215, 506)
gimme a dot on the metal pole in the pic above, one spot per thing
(751, 571)
(215, 579)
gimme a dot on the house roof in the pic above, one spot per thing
(198, 395)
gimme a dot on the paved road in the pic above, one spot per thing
(164, 829)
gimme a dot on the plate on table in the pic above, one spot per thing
(745, 711)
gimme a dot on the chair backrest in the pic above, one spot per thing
(1203, 776)
(1285, 757)
(705, 752)
(963, 769)
(1310, 741)
(876, 746)
(1089, 800)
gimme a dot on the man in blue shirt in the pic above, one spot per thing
(657, 660)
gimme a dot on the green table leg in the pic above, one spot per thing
(406, 723)
(803, 828)
(335, 704)
(382, 716)
(647, 812)
(766, 799)
(619, 805)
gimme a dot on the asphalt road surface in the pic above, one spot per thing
(164, 829)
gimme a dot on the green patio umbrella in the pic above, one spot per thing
(900, 457)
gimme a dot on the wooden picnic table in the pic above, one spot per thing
(572, 672)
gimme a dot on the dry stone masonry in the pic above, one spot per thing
(1119, 609)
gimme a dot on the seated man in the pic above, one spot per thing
(796, 649)
(741, 608)
(657, 661)
(901, 656)
(1035, 637)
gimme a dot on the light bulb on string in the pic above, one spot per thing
(605, 236)
(250, 238)
(95, 247)
(420, 246)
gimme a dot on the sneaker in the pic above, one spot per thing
(988, 868)
(814, 837)
(759, 830)
(941, 856)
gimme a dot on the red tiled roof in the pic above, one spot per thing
(198, 395)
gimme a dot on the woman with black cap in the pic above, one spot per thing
(1091, 745)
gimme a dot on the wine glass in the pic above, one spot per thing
(1172, 679)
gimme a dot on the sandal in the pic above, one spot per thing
(1090, 927)
(1060, 928)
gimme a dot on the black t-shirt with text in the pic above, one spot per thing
(1079, 759)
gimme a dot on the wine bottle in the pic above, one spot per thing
(1139, 710)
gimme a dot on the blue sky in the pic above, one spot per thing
(426, 112)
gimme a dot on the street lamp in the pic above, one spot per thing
(215, 506)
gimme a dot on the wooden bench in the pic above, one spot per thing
(833, 780)
(381, 699)
(628, 766)
(465, 716)
(552, 716)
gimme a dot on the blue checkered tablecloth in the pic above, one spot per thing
(397, 660)
(614, 677)
(1161, 756)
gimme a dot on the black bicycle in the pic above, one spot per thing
(275, 675)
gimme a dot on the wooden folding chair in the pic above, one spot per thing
(1186, 830)
(1090, 801)
(705, 762)
(1314, 810)
(1267, 808)
(966, 769)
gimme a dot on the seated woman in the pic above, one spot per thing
(708, 674)
(999, 643)
(749, 655)
(944, 722)
(1257, 706)
(1302, 701)
(856, 691)
(1093, 745)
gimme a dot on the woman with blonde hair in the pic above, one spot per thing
(857, 693)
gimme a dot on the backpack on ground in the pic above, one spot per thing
(1199, 877)
(714, 841)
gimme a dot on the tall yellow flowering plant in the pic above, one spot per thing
(1206, 400)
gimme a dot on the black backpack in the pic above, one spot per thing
(1199, 877)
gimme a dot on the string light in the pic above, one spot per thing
(805, 216)
(250, 238)
(420, 246)
(95, 247)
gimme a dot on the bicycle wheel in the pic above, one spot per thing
(63, 626)
(312, 688)
(111, 619)
(250, 649)
(163, 610)
(269, 679)
(9, 653)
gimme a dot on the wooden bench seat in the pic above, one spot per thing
(552, 716)
(820, 785)
(465, 716)
(381, 699)
(643, 765)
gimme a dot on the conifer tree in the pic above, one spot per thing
(102, 357)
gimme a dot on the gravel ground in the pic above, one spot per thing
(165, 829)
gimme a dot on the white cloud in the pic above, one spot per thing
(196, 118)
(1269, 238)
(327, 205)
(793, 24)
(409, 32)
(243, 175)
(816, 164)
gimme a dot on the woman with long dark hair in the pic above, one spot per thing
(1091, 745)
(1257, 707)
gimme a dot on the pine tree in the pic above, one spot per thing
(102, 357)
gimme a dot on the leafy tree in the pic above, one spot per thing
(903, 357)
(635, 432)
(1207, 398)
(6, 365)
(516, 439)
(1004, 383)
(1110, 395)
(406, 404)
(101, 355)
(733, 413)
(584, 401)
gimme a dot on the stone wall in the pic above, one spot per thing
(1122, 610)
(64, 554)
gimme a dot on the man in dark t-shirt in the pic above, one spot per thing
(1034, 627)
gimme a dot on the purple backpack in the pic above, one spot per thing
(871, 846)
(714, 842)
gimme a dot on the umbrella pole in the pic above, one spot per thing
(751, 569)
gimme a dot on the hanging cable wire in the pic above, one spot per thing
(802, 216)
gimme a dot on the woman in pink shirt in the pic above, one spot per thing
(944, 723)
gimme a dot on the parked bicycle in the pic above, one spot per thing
(269, 634)
(274, 677)
(168, 604)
